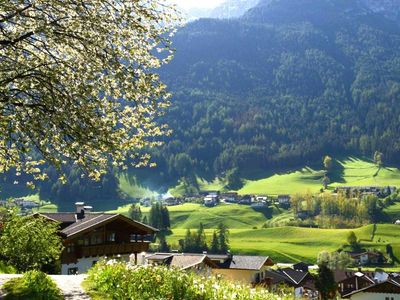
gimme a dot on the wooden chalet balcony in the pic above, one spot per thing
(114, 249)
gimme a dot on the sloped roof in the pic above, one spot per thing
(90, 220)
(186, 261)
(159, 256)
(245, 262)
(296, 276)
(388, 286)
(63, 217)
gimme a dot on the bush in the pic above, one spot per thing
(33, 285)
(118, 280)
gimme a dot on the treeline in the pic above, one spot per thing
(195, 242)
(338, 211)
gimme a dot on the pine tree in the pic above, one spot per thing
(135, 213)
(214, 243)
(223, 239)
(200, 242)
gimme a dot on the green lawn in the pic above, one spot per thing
(347, 171)
(189, 215)
(393, 212)
(291, 244)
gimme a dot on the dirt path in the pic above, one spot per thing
(70, 285)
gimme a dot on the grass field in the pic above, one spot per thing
(189, 215)
(347, 171)
(292, 244)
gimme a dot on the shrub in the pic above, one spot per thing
(33, 285)
(119, 280)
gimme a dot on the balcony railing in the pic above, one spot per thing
(104, 250)
(114, 249)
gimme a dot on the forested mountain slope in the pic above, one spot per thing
(286, 83)
(281, 86)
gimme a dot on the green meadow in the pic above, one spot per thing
(190, 215)
(292, 244)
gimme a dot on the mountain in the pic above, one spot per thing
(286, 83)
(281, 86)
(232, 9)
(389, 8)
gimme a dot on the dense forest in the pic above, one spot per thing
(283, 85)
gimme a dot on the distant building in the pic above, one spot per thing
(231, 197)
(25, 204)
(171, 201)
(284, 199)
(367, 257)
(379, 191)
(210, 200)
(246, 199)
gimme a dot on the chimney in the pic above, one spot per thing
(80, 210)
(79, 206)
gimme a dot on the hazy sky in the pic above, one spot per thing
(187, 4)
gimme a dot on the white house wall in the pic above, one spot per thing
(375, 296)
(84, 264)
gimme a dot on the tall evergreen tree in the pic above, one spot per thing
(214, 243)
(200, 242)
(223, 238)
(135, 212)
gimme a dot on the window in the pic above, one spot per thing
(72, 271)
(70, 248)
(111, 237)
(96, 239)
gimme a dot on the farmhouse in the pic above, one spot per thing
(243, 268)
(301, 282)
(284, 199)
(210, 200)
(198, 263)
(389, 290)
(88, 237)
(367, 257)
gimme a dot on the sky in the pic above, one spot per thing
(188, 4)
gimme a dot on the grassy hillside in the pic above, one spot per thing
(291, 244)
(190, 215)
(347, 171)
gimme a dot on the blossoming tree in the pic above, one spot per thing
(78, 82)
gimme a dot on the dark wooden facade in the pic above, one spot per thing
(116, 237)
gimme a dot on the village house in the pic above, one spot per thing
(366, 258)
(283, 200)
(386, 290)
(211, 200)
(89, 237)
(230, 197)
(244, 268)
(246, 199)
(349, 281)
(198, 263)
(302, 282)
